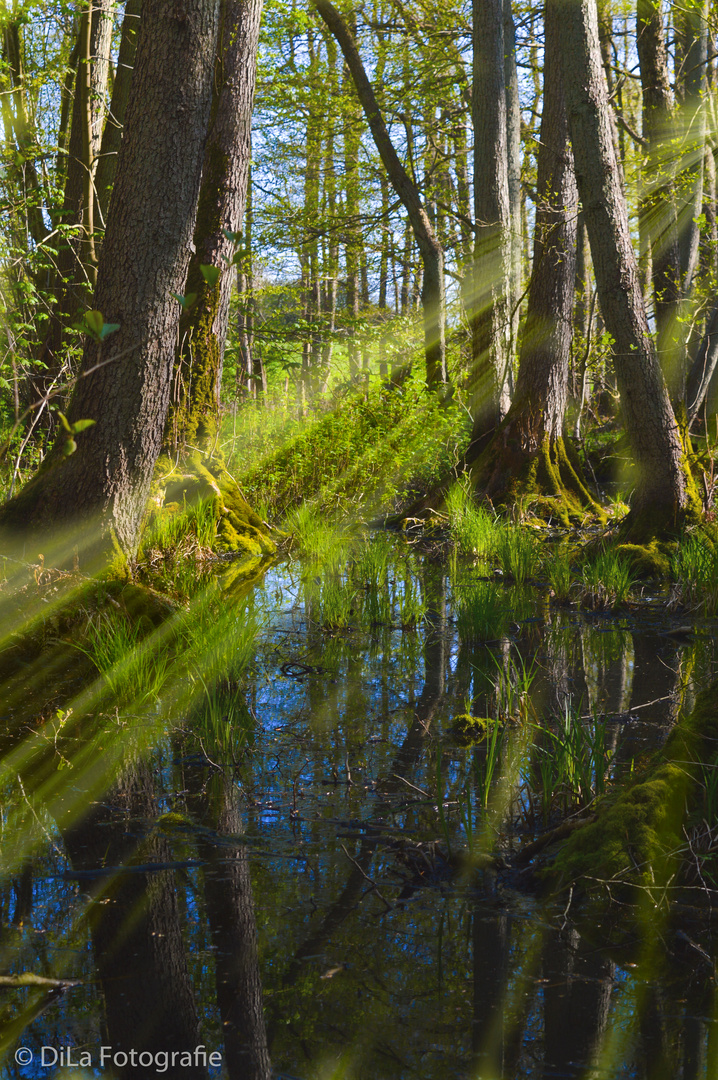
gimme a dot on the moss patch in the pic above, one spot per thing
(200, 480)
(468, 730)
(549, 477)
(651, 560)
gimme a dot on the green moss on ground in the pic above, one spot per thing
(651, 560)
(199, 480)
(469, 730)
(550, 478)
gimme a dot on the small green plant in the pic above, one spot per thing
(512, 688)
(316, 537)
(223, 726)
(570, 763)
(330, 601)
(695, 565)
(407, 598)
(607, 580)
(473, 530)
(560, 576)
(134, 665)
(518, 553)
(487, 760)
(370, 572)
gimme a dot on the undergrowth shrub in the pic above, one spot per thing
(370, 454)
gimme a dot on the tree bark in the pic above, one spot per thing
(100, 491)
(528, 451)
(660, 500)
(135, 926)
(658, 219)
(76, 267)
(490, 379)
(513, 161)
(112, 133)
(432, 296)
(233, 926)
(194, 412)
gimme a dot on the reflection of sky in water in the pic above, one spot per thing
(375, 959)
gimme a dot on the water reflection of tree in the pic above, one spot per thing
(135, 925)
(230, 914)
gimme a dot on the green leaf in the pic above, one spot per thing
(65, 423)
(233, 237)
(69, 448)
(185, 302)
(210, 273)
(107, 329)
(94, 322)
(82, 425)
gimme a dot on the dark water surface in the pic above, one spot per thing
(313, 898)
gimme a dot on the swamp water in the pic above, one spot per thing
(309, 866)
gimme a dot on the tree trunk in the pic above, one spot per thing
(112, 133)
(660, 499)
(528, 453)
(76, 265)
(513, 161)
(196, 471)
(490, 379)
(135, 926)
(658, 220)
(233, 926)
(432, 293)
(100, 491)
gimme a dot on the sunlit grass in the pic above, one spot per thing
(607, 580)
(518, 552)
(479, 611)
(695, 565)
(474, 530)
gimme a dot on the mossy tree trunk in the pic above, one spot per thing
(97, 496)
(527, 455)
(195, 470)
(662, 494)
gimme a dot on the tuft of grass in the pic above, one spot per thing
(222, 726)
(518, 552)
(174, 536)
(474, 531)
(320, 539)
(695, 565)
(570, 764)
(560, 577)
(133, 666)
(607, 580)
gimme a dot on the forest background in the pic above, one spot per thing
(452, 209)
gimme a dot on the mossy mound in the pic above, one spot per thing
(637, 835)
(197, 481)
(469, 730)
(651, 560)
